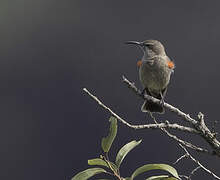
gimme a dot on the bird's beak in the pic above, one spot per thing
(134, 42)
(139, 44)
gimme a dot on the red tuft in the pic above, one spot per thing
(170, 64)
(139, 63)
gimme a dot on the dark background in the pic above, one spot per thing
(50, 50)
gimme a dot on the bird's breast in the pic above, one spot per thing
(154, 76)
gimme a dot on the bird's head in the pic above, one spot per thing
(150, 47)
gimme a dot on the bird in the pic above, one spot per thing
(155, 69)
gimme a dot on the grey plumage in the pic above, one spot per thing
(154, 73)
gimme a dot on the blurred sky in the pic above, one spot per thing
(50, 50)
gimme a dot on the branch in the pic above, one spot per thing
(188, 155)
(154, 126)
(198, 127)
(185, 143)
(145, 126)
(199, 124)
(171, 108)
(193, 171)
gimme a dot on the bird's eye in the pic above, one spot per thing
(148, 45)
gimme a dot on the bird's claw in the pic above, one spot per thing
(143, 92)
(162, 102)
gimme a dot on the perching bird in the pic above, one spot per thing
(155, 69)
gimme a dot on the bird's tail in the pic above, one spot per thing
(152, 107)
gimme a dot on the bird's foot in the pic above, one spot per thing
(143, 92)
(162, 102)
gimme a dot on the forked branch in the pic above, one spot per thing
(196, 126)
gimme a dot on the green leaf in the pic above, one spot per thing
(127, 178)
(161, 177)
(86, 174)
(124, 151)
(149, 167)
(107, 141)
(101, 162)
(98, 162)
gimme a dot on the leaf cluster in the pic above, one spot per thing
(113, 168)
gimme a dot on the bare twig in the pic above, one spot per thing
(199, 124)
(198, 163)
(180, 158)
(185, 143)
(184, 176)
(193, 171)
(145, 126)
(198, 127)
(153, 126)
(186, 117)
